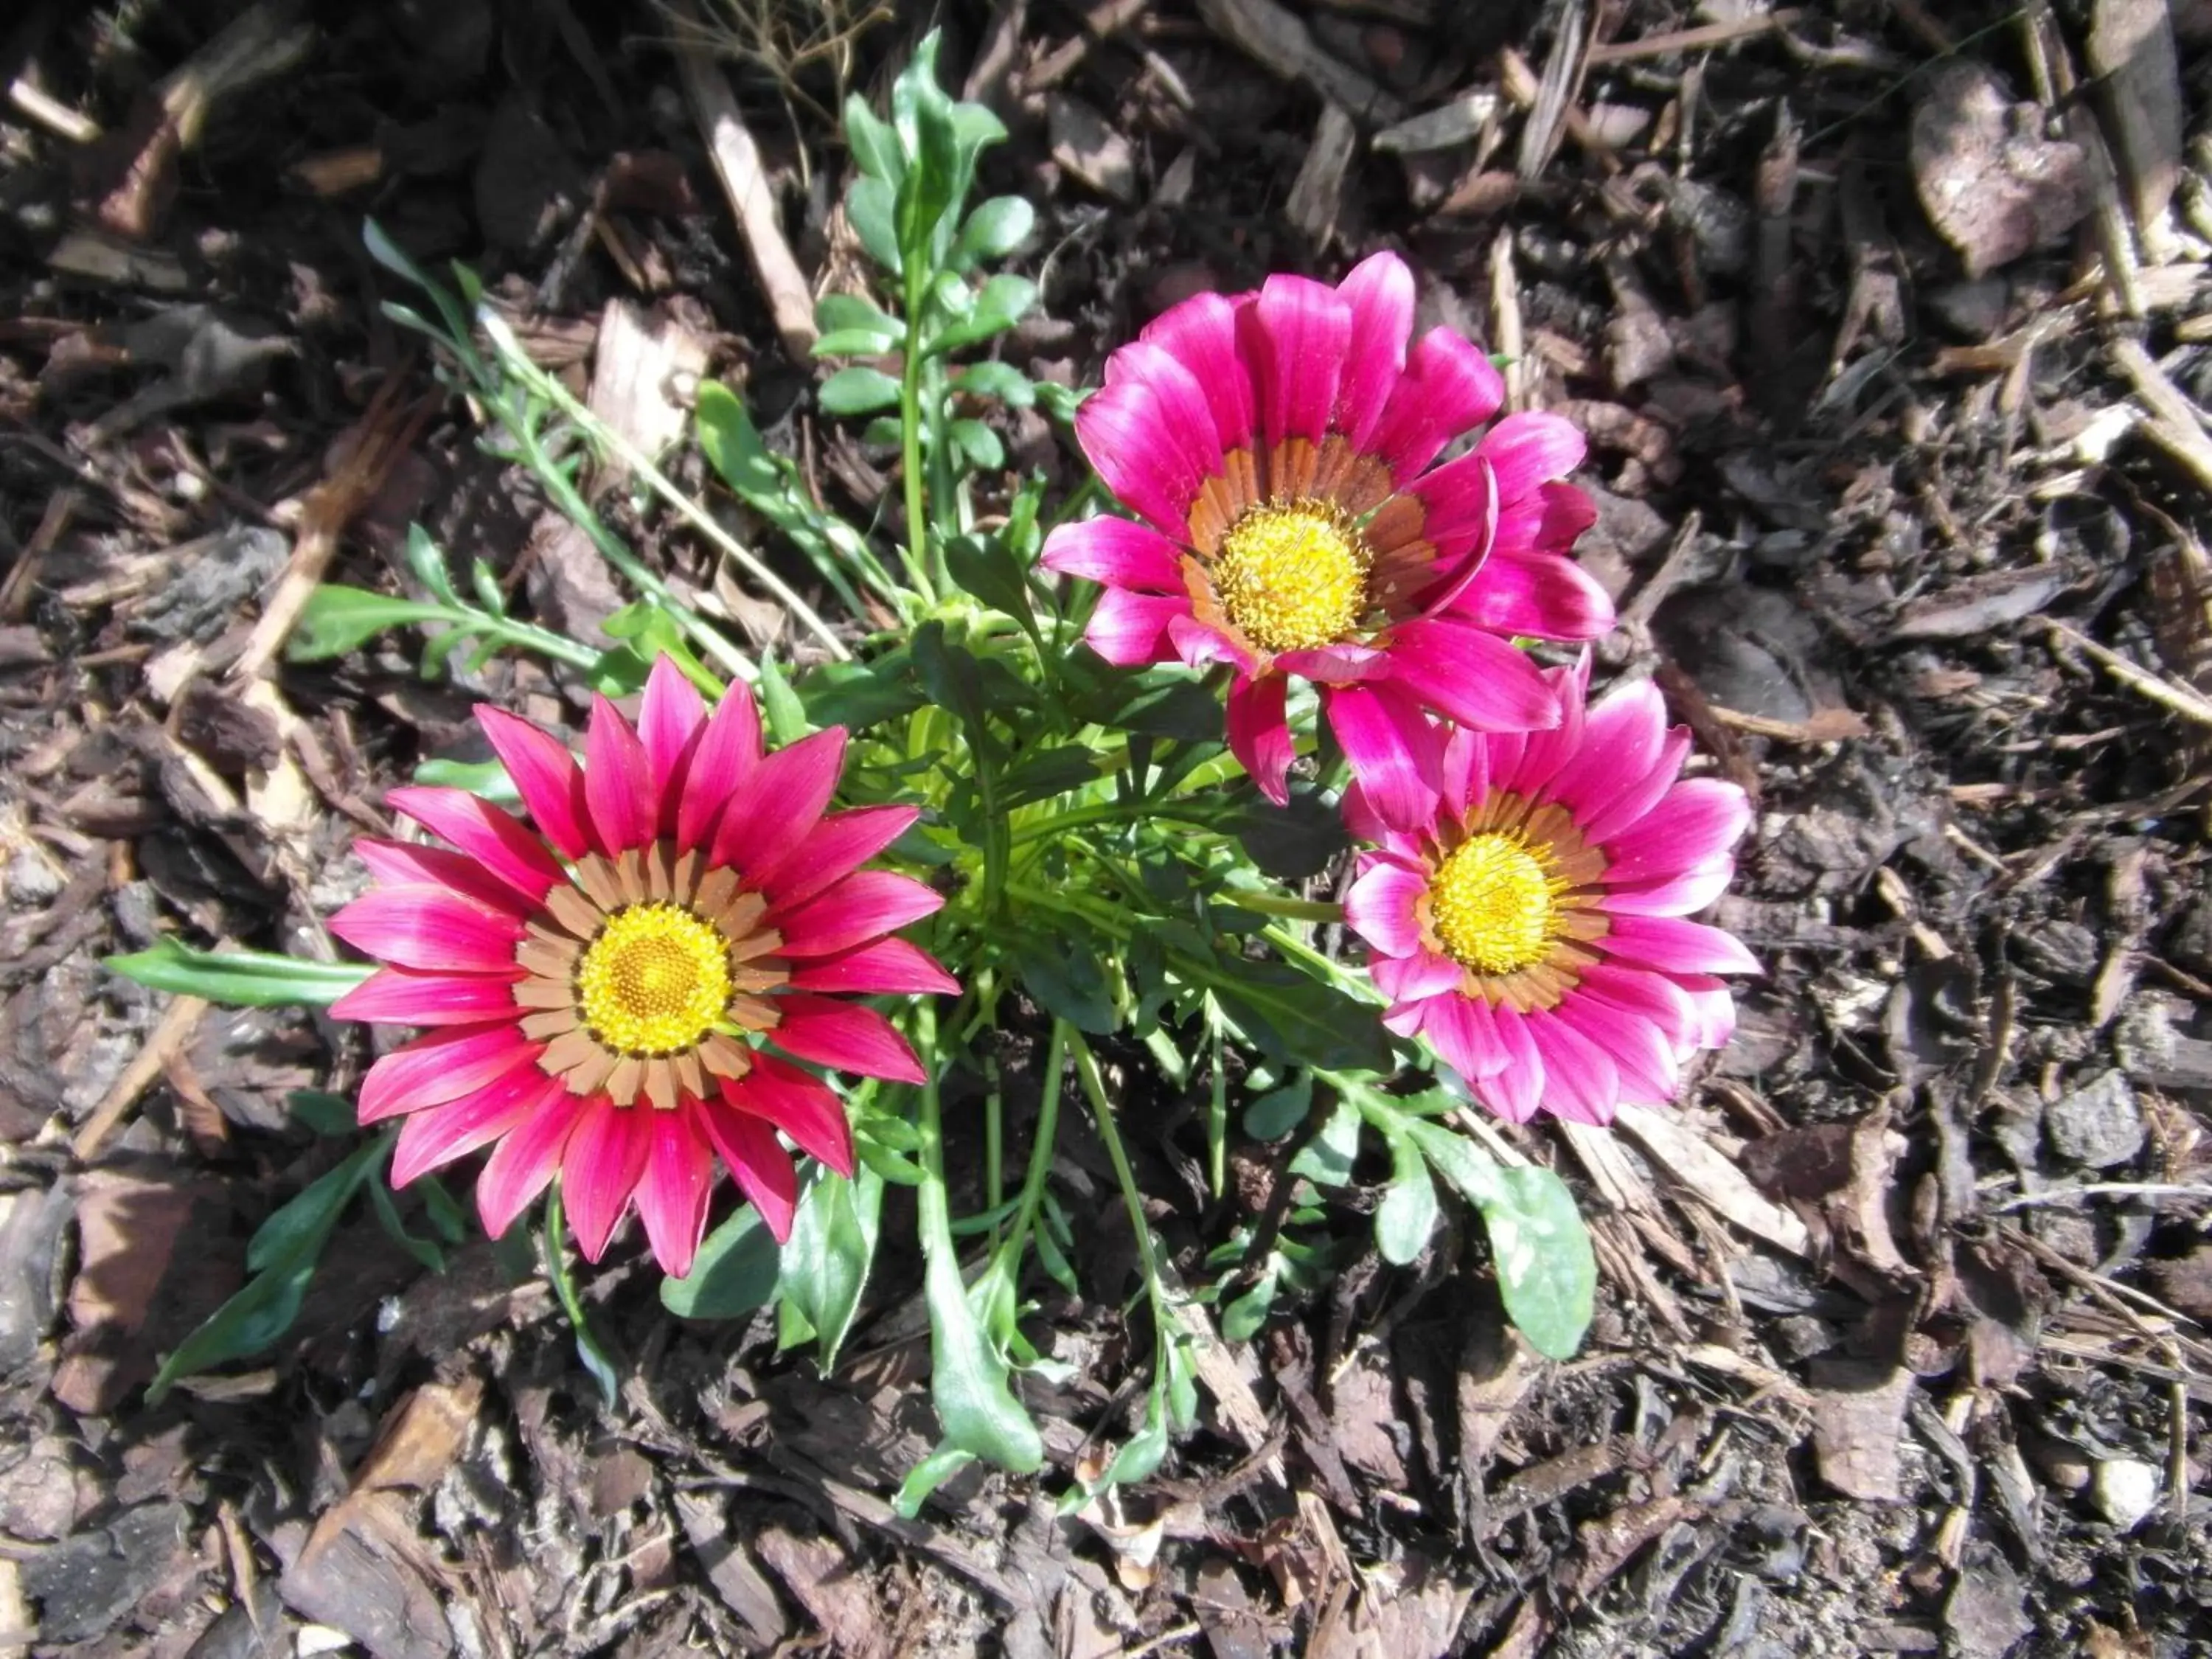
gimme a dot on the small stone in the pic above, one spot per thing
(2125, 1491)
(1974, 310)
(1087, 147)
(2098, 1124)
(32, 880)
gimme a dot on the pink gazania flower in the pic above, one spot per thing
(1277, 445)
(603, 991)
(1533, 931)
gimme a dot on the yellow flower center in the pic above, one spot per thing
(1293, 578)
(656, 980)
(1493, 903)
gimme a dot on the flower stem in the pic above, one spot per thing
(1094, 1087)
(1281, 904)
(1047, 1130)
(917, 526)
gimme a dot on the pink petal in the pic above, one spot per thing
(1344, 664)
(1653, 997)
(1185, 413)
(441, 1066)
(1696, 822)
(1425, 973)
(619, 783)
(1464, 775)
(1582, 1083)
(804, 1107)
(1683, 894)
(728, 748)
(404, 864)
(844, 1036)
(757, 1162)
(1471, 677)
(780, 803)
(839, 845)
(1675, 946)
(430, 927)
(1460, 1029)
(1543, 752)
(1131, 630)
(1548, 521)
(1200, 646)
(889, 967)
(1392, 749)
(668, 721)
(1516, 1090)
(1202, 333)
(522, 1164)
(1381, 907)
(600, 1170)
(671, 1197)
(1607, 814)
(1622, 737)
(491, 837)
(1541, 595)
(1460, 503)
(1259, 736)
(1295, 336)
(1116, 552)
(1124, 430)
(432, 1139)
(1531, 449)
(1449, 387)
(399, 996)
(864, 906)
(1380, 291)
(1715, 1010)
(545, 775)
(1644, 1061)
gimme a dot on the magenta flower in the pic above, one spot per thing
(603, 991)
(1533, 931)
(1278, 445)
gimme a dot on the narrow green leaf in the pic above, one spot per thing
(826, 1260)
(588, 1348)
(240, 979)
(252, 1321)
(303, 1222)
(338, 619)
(874, 145)
(325, 1114)
(926, 1476)
(786, 714)
(1241, 1319)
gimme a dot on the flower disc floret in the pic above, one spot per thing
(1293, 578)
(1494, 899)
(655, 982)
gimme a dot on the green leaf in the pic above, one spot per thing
(734, 1273)
(1274, 1116)
(926, 1476)
(1408, 1214)
(1329, 1156)
(979, 446)
(858, 695)
(1241, 1319)
(1547, 1271)
(872, 206)
(857, 315)
(1004, 300)
(338, 619)
(854, 343)
(428, 561)
(993, 378)
(325, 1114)
(994, 230)
(968, 1381)
(240, 979)
(1292, 843)
(874, 145)
(424, 1250)
(1048, 772)
(826, 1260)
(779, 704)
(487, 779)
(252, 1321)
(984, 566)
(1138, 1460)
(733, 446)
(858, 390)
(308, 1219)
(1064, 974)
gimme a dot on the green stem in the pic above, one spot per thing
(1047, 1130)
(1094, 1088)
(917, 526)
(1282, 904)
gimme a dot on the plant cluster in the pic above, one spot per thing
(1070, 789)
